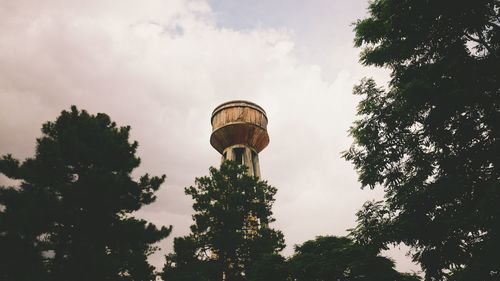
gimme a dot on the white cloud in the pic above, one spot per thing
(161, 67)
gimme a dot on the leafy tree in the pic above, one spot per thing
(431, 139)
(340, 259)
(70, 215)
(232, 214)
(268, 267)
(185, 263)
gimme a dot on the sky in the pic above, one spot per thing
(163, 66)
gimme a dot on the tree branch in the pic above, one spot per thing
(480, 41)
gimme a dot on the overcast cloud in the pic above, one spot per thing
(162, 67)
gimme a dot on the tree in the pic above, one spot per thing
(70, 215)
(339, 258)
(268, 267)
(185, 263)
(431, 139)
(232, 214)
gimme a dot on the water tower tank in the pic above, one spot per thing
(239, 133)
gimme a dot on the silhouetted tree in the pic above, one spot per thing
(187, 264)
(432, 138)
(339, 258)
(268, 267)
(69, 217)
(232, 214)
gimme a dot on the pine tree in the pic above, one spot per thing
(231, 223)
(70, 215)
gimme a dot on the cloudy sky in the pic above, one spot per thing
(163, 66)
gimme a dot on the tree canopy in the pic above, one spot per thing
(431, 139)
(70, 215)
(339, 258)
(187, 264)
(231, 225)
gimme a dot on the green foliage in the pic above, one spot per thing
(232, 213)
(185, 265)
(432, 139)
(70, 216)
(339, 258)
(268, 267)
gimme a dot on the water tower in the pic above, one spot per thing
(239, 133)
